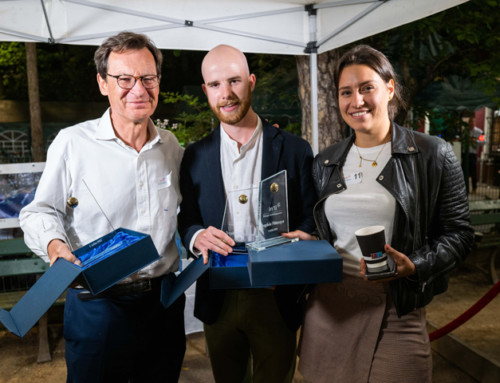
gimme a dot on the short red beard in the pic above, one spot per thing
(236, 116)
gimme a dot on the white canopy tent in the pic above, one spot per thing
(294, 27)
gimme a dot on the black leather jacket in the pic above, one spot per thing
(431, 221)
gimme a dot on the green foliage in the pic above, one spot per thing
(470, 52)
(65, 72)
(11, 54)
(294, 128)
(456, 46)
(193, 118)
(461, 42)
(448, 125)
(473, 28)
(13, 81)
(275, 95)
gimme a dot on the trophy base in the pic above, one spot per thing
(270, 242)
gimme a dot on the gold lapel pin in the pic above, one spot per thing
(72, 202)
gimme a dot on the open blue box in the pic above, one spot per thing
(231, 271)
(97, 273)
(302, 262)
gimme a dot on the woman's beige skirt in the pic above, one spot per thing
(352, 333)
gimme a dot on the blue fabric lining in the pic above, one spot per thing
(120, 241)
(238, 258)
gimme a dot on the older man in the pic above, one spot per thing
(243, 325)
(124, 172)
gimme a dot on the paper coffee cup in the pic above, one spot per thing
(371, 241)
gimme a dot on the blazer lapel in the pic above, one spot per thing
(273, 146)
(213, 174)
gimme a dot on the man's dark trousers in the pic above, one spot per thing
(130, 338)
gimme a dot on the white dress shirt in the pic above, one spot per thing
(241, 173)
(133, 190)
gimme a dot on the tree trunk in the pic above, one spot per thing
(37, 146)
(330, 123)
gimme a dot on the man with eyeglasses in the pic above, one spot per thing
(124, 173)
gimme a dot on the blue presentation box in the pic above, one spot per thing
(296, 263)
(302, 262)
(97, 274)
(231, 271)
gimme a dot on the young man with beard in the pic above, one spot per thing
(242, 325)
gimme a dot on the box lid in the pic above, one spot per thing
(39, 297)
(171, 290)
(99, 276)
(302, 262)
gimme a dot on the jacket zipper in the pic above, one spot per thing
(416, 222)
(432, 277)
(424, 284)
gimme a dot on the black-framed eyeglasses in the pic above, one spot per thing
(127, 81)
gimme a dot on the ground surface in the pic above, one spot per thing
(18, 356)
(482, 331)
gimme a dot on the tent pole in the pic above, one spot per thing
(313, 66)
(312, 49)
(51, 38)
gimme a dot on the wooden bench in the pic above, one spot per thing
(17, 261)
(485, 218)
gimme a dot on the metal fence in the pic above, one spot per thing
(488, 185)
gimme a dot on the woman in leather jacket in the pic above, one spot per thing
(412, 184)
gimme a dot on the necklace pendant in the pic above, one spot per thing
(374, 163)
(360, 161)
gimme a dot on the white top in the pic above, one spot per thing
(241, 173)
(136, 191)
(364, 203)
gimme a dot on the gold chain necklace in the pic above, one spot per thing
(374, 162)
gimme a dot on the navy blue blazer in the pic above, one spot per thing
(203, 203)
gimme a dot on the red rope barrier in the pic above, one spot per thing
(473, 310)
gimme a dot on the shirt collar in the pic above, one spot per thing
(251, 142)
(105, 130)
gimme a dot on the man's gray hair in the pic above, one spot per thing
(124, 41)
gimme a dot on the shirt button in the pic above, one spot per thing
(326, 162)
(411, 149)
(339, 186)
(381, 178)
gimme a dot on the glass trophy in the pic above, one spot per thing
(272, 213)
(240, 217)
(65, 212)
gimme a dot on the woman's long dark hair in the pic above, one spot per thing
(376, 60)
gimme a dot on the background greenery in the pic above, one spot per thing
(438, 59)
